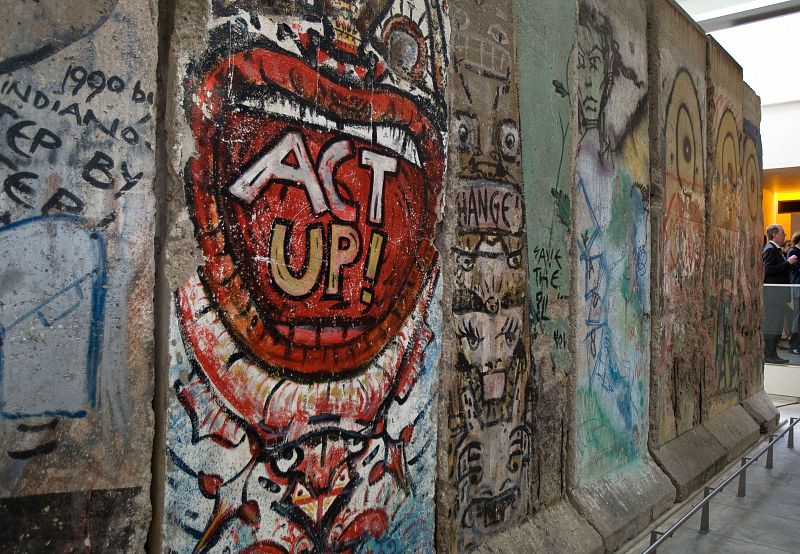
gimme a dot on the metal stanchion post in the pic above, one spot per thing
(743, 479)
(654, 536)
(791, 432)
(704, 516)
(769, 452)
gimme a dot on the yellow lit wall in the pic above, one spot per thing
(779, 185)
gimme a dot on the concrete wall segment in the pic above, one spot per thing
(487, 343)
(617, 487)
(545, 42)
(751, 237)
(76, 233)
(723, 186)
(677, 99)
(305, 347)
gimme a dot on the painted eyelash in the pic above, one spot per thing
(510, 327)
(468, 329)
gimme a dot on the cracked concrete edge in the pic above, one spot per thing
(559, 528)
(690, 460)
(623, 503)
(735, 430)
(762, 410)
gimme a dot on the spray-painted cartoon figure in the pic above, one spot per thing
(612, 240)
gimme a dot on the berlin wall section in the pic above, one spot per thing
(754, 399)
(504, 479)
(486, 368)
(436, 274)
(723, 416)
(547, 65)
(684, 448)
(310, 145)
(77, 84)
(616, 487)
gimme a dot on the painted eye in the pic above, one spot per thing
(466, 330)
(466, 131)
(498, 34)
(300, 493)
(288, 459)
(343, 478)
(520, 446)
(509, 140)
(515, 261)
(466, 263)
(470, 465)
(510, 331)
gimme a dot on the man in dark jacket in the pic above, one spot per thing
(794, 278)
(776, 272)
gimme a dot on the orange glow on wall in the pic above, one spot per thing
(780, 185)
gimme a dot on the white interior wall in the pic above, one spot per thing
(768, 53)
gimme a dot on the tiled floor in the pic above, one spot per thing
(766, 520)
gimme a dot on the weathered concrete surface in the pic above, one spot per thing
(677, 211)
(751, 215)
(691, 459)
(556, 529)
(76, 280)
(723, 309)
(487, 339)
(616, 486)
(762, 410)
(307, 150)
(734, 430)
(611, 229)
(545, 40)
(624, 502)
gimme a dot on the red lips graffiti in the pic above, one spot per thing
(315, 214)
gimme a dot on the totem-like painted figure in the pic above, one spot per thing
(490, 400)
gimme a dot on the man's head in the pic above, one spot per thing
(795, 238)
(776, 234)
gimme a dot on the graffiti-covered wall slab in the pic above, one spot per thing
(305, 345)
(76, 280)
(678, 158)
(545, 39)
(723, 177)
(751, 233)
(611, 231)
(489, 408)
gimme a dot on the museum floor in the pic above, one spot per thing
(766, 520)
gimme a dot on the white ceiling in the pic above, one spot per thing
(706, 9)
(769, 53)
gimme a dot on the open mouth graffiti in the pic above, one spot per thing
(490, 510)
(315, 206)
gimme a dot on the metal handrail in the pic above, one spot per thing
(657, 538)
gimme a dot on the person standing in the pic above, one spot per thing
(794, 279)
(776, 272)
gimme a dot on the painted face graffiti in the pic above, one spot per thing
(315, 196)
(593, 79)
(484, 123)
(488, 505)
(489, 405)
(488, 305)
